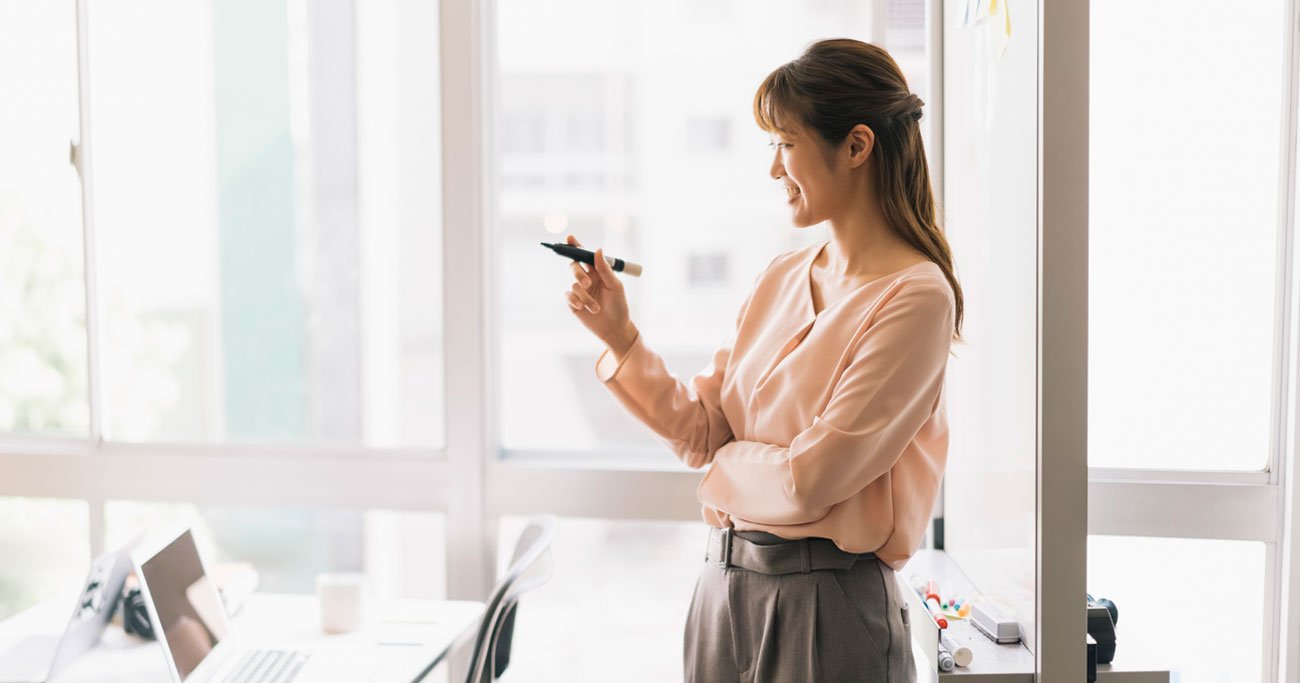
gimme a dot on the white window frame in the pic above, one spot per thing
(1246, 505)
(474, 486)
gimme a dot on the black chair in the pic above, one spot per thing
(529, 568)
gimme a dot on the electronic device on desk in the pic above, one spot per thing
(1103, 615)
(1092, 658)
(235, 581)
(190, 621)
(37, 659)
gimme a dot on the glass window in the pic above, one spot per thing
(46, 551)
(403, 554)
(43, 375)
(1153, 581)
(629, 124)
(1185, 135)
(618, 595)
(268, 215)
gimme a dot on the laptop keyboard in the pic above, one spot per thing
(267, 666)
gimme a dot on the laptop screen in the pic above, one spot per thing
(191, 619)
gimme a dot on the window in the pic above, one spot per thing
(268, 221)
(707, 134)
(265, 278)
(651, 104)
(1146, 577)
(618, 595)
(1185, 372)
(1184, 234)
(400, 553)
(43, 374)
(46, 546)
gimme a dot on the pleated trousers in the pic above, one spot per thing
(828, 625)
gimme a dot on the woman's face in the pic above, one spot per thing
(812, 187)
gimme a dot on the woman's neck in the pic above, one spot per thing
(863, 246)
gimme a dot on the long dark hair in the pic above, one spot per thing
(837, 84)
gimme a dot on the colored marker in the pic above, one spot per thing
(933, 605)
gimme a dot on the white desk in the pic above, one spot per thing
(1008, 662)
(282, 619)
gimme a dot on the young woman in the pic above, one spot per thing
(823, 416)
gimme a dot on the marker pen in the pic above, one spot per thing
(932, 604)
(945, 659)
(589, 258)
(961, 655)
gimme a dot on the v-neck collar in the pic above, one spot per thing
(811, 311)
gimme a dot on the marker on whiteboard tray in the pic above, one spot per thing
(932, 604)
(961, 655)
(945, 659)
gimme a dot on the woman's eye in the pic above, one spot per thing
(778, 145)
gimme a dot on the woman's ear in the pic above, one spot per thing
(861, 141)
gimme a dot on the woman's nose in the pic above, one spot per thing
(777, 170)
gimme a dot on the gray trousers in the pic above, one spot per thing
(827, 625)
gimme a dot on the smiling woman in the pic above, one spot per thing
(823, 420)
(630, 126)
(871, 121)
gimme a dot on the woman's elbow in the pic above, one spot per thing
(694, 458)
(697, 453)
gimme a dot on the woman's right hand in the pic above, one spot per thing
(598, 302)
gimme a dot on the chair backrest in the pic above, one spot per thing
(495, 635)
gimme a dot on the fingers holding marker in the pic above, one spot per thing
(604, 271)
(580, 273)
(587, 301)
(595, 267)
(579, 270)
(576, 303)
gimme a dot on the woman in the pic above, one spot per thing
(823, 416)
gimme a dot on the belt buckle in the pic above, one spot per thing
(724, 553)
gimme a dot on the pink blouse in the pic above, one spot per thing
(826, 424)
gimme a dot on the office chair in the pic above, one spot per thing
(529, 568)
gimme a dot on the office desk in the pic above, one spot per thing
(280, 619)
(1007, 662)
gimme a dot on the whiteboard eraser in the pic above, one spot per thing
(994, 624)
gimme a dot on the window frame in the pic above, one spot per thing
(1254, 505)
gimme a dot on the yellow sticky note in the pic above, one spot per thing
(1002, 28)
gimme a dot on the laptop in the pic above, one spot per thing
(36, 659)
(190, 622)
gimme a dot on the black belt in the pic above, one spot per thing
(726, 549)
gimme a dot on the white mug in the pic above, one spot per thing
(342, 602)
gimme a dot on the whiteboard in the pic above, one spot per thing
(990, 214)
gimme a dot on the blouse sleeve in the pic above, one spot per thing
(883, 398)
(688, 417)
